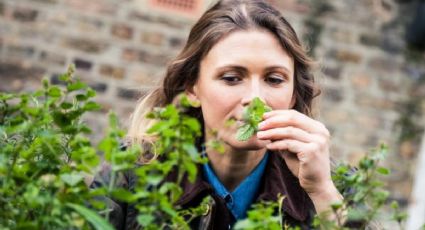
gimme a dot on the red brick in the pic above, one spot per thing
(355, 138)
(368, 101)
(83, 64)
(112, 71)
(153, 58)
(368, 122)
(47, 1)
(345, 56)
(144, 56)
(335, 115)
(334, 95)
(127, 93)
(333, 72)
(25, 14)
(408, 149)
(152, 38)
(122, 31)
(169, 22)
(89, 24)
(53, 58)
(370, 39)
(187, 8)
(86, 45)
(361, 80)
(389, 85)
(21, 76)
(129, 54)
(176, 43)
(93, 6)
(291, 5)
(22, 51)
(384, 64)
(342, 35)
(143, 78)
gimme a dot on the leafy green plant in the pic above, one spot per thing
(46, 161)
(175, 134)
(44, 157)
(252, 116)
(362, 187)
(265, 215)
(364, 197)
(364, 194)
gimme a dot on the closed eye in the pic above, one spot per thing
(275, 79)
(231, 79)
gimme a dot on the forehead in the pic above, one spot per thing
(252, 47)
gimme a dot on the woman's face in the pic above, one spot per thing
(240, 67)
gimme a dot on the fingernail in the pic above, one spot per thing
(260, 134)
(261, 125)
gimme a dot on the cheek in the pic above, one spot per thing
(217, 105)
(281, 99)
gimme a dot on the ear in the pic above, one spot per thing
(192, 93)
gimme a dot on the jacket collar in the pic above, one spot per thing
(277, 179)
(192, 191)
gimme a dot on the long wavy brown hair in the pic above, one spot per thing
(223, 18)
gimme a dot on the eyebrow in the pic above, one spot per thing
(245, 70)
(278, 67)
(233, 67)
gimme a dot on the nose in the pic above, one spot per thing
(252, 91)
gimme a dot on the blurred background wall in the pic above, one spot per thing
(370, 55)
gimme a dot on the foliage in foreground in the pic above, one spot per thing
(44, 156)
(46, 160)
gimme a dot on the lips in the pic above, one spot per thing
(239, 123)
(236, 122)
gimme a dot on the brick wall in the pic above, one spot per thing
(367, 74)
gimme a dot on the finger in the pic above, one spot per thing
(291, 117)
(301, 149)
(288, 132)
(281, 118)
(291, 161)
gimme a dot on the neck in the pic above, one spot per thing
(232, 166)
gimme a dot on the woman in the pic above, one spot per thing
(237, 51)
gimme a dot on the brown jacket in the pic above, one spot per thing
(298, 209)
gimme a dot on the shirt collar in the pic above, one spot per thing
(239, 200)
(278, 180)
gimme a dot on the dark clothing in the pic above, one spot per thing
(240, 199)
(277, 179)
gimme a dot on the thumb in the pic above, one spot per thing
(291, 161)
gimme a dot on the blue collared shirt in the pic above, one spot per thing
(239, 200)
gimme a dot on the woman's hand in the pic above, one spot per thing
(304, 145)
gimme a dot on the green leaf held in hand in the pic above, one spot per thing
(252, 115)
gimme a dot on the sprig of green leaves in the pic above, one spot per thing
(252, 116)
(263, 215)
